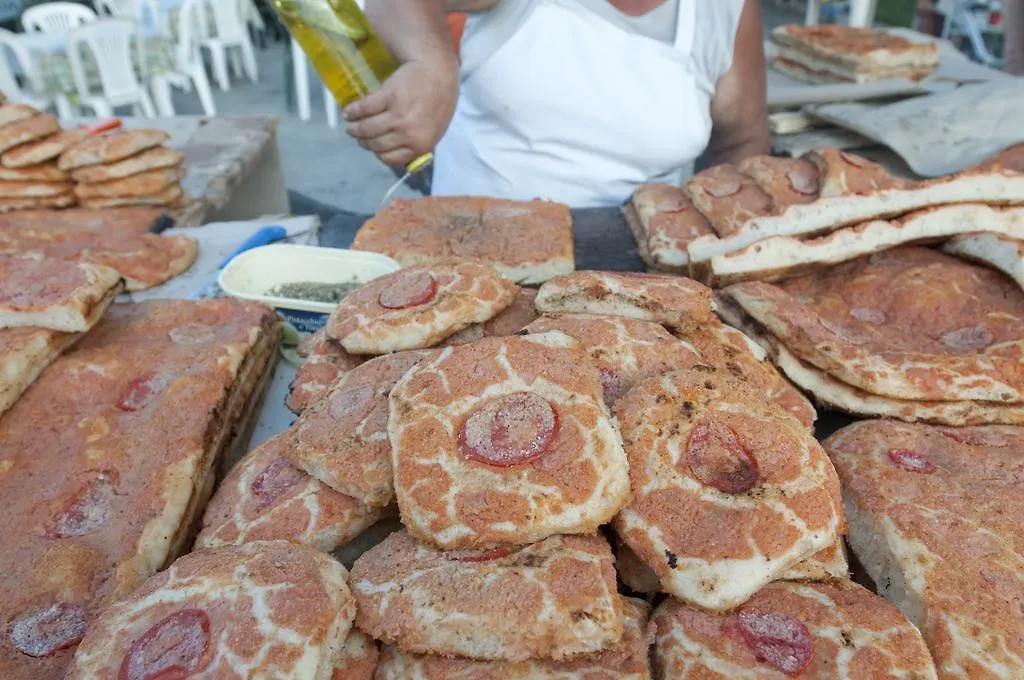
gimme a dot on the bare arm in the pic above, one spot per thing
(739, 110)
(410, 112)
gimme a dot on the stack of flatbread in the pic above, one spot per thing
(30, 143)
(125, 168)
(769, 218)
(846, 54)
(911, 333)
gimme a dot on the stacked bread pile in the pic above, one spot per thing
(846, 54)
(30, 143)
(769, 218)
(125, 168)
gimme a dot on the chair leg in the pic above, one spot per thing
(332, 109)
(64, 110)
(301, 67)
(219, 62)
(161, 88)
(146, 103)
(101, 107)
(249, 61)
(235, 62)
(202, 85)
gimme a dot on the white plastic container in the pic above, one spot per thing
(250, 275)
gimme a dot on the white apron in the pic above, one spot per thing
(574, 108)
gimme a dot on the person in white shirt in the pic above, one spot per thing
(577, 101)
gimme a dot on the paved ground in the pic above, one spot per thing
(321, 163)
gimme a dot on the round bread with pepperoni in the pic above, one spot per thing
(357, 659)
(628, 661)
(728, 491)
(264, 609)
(554, 599)
(418, 307)
(626, 351)
(505, 440)
(265, 498)
(326, 361)
(342, 440)
(672, 301)
(821, 631)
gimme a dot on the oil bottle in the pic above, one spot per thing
(343, 47)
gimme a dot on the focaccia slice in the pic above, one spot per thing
(13, 113)
(60, 296)
(65, 200)
(24, 354)
(872, 323)
(672, 301)
(554, 599)
(509, 321)
(265, 498)
(628, 661)
(291, 605)
(326, 362)
(1003, 253)
(45, 172)
(664, 221)
(342, 439)
(111, 147)
(728, 490)
(16, 190)
(625, 351)
(935, 519)
(27, 130)
(43, 150)
(171, 195)
(505, 440)
(827, 631)
(152, 159)
(786, 181)
(358, 657)
(419, 306)
(857, 48)
(845, 174)
(148, 183)
(727, 198)
(525, 241)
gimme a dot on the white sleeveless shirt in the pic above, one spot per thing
(561, 102)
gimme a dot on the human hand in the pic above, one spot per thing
(406, 117)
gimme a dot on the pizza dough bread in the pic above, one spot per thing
(505, 440)
(526, 241)
(830, 392)
(827, 631)
(44, 172)
(326, 362)
(342, 439)
(554, 599)
(509, 321)
(846, 174)
(934, 518)
(625, 351)
(856, 48)
(1003, 253)
(809, 69)
(22, 190)
(152, 159)
(664, 221)
(169, 196)
(121, 221)
(264, 498)
(111, 147)
(43, 150)
(873, 324)
(672, 301)
(628, 662)
(266, 609)
(90, 517)
(8, 205)
(24, 355)
(357, 659)
(728, 490)
(146, 183)
(786, 181)
(55, 295)
(735, 355)
(418, 306)
(27, 130)
(727, 198)
(14, 113)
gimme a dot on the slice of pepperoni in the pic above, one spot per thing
(275, 480)
(173, 648)
(351, 402)
(611, 385)
(724, 188)
(912, 461)
(855, 161)
(478, 556)
(45, 631)
(510, 430)
(971, 337)
(407, 291)
(87, 509)
(804, 182)
(138, 393)
(717, 458)
(777, 639)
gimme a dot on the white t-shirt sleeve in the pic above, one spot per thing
(714, 39)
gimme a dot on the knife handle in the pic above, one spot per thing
(264, 236)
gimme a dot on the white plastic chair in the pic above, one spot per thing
(232, 31)
(30, 91)
(862, 12)
(56, 17)
(300, 66)
(189, 68)
(110, 42)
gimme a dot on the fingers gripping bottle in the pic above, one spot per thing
(341, 44)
